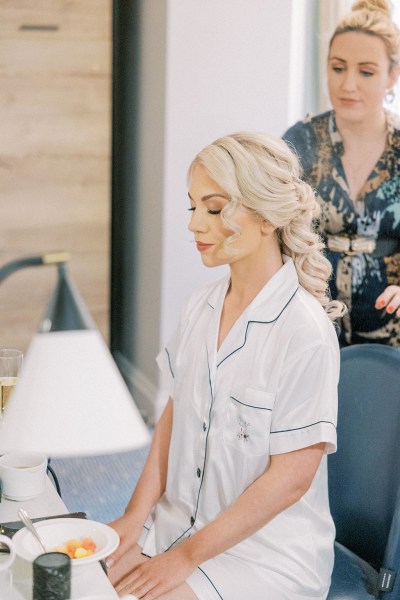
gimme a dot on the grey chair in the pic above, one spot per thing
(364, 476)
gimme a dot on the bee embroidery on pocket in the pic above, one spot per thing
(243, 430)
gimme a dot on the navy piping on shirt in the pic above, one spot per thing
(205, 574)
(263, 322)
(169, 363)
(204, 462)
(251, 405)
(305, 427)
(210, 411)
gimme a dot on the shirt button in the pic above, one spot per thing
(198, 472)
(204, 426)
(192, 519)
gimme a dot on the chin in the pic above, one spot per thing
(207, 262)
(212, 262)
(354, 115)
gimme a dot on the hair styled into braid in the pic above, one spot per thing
(259, 172)
(373, 17)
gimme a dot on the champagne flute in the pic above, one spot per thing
(10, 364)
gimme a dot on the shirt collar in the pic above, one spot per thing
(271, 301)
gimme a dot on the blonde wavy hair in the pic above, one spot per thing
(259, 172)
(373, 17)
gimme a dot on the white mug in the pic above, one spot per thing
(7, 559)
(23, 475)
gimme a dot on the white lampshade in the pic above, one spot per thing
(71, 400)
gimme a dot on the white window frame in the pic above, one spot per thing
(330, 13)
(395, 105)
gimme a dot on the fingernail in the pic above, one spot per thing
(390, 309)
(109, 562)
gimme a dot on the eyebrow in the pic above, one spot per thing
(366, 62)
(208, 196)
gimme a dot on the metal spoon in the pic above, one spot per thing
(23, 515)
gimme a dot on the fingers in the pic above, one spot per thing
(150, 579)
(124, 566)
(140, 584)
(126, 544)
(130, 583)
(111, 560)
(389, 300)
(114, 558)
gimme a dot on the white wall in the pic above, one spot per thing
(227, 70)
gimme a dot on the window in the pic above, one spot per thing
(395, 105)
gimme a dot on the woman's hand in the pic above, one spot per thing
(158, 575)
(390, 300)
(129, 532)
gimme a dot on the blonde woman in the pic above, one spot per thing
(351, 156)
(233, 500)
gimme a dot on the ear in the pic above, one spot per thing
(266, 227)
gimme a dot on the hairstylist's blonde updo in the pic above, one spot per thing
(259, 172)
(373, 17)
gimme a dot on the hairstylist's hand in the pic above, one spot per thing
(390, 300)
(129, 532)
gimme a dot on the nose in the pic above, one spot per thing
(349, 81)
(197, 222)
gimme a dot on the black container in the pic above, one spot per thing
(52, 576)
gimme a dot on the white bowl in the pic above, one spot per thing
(56, 532)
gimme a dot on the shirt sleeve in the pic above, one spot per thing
(305, 409)
(166, 359)
(166, 363)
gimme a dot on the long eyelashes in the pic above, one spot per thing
(210, 212)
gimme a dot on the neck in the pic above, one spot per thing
(247, 281)
(362, 132)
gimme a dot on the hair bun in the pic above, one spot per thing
(372, 5)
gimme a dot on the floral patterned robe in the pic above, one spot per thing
(359, 279)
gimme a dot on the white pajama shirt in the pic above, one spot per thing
(271, 388)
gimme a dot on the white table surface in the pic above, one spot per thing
(88, 581)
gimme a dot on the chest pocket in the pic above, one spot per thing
(248, 421)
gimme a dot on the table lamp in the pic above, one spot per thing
(70, 399)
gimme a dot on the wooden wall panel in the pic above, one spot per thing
(55, 91)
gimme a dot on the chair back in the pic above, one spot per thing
(364, 474)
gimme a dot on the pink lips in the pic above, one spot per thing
(202, 247)
(348, 101)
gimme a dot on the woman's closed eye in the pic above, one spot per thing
(210, 211)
